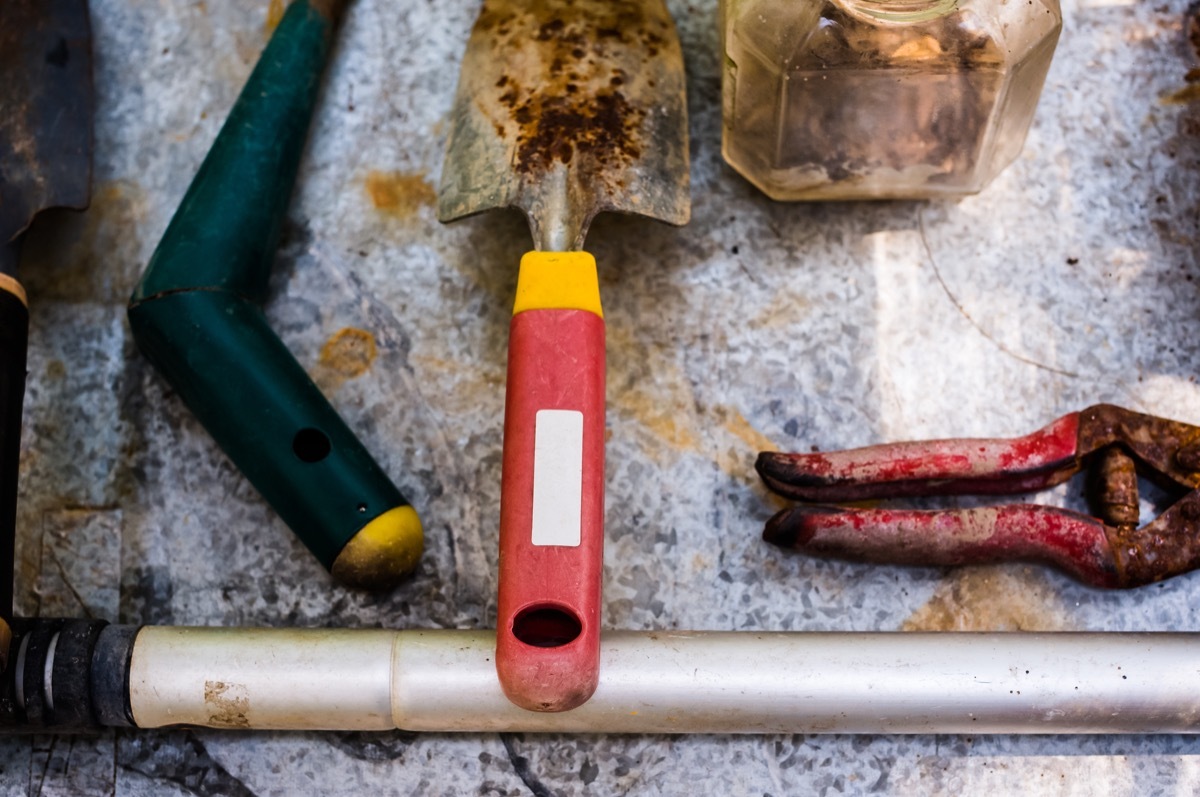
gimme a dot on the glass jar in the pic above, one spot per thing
(880, 99)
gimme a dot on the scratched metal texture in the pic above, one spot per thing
(1071, 280)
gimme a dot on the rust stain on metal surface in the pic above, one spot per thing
(1151, 439)
(274, 15)
(399, 194)
(227, 704)
(737, 425)
(662, 416)
(1165, 450)
(1000, 598)
(1191, 90)
(566, 109)
(737, 442)
(647, 385)
(1115, 488)
(347, 354)
(786, 309)
(574, 103)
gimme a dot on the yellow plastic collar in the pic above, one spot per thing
(558, 281)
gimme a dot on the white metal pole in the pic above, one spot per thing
(676, 682)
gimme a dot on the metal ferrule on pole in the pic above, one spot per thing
(676, 682)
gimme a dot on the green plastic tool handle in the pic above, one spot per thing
(196, 315)
(226, 231)
(260, 406)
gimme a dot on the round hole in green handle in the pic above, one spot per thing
(546, 626)
(311, 445)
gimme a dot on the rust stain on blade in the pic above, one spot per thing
(566, 109)
(570, 97)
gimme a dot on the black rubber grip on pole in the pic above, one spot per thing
(69, 688)
(67, 676)
(34, 641)
(110, 676)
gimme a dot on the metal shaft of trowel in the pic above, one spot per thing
(559, 225)
(673, 682)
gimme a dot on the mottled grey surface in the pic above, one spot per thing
(1068, 282)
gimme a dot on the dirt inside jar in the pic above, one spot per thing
(844, 104)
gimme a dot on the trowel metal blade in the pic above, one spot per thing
(566, 109)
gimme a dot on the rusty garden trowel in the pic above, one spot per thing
(565, 108)
(45, 162)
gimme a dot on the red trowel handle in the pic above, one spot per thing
(552, 491)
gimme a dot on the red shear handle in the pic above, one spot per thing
(935, 467)
(1075, 543)
(552, 492)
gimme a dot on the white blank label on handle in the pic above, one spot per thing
(558, 477)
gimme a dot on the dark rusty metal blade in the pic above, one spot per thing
(45, 110)
(45, 161)
(565, 109)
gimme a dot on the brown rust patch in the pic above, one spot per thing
(572, 104)
(1166, 547)
(1115, 488)
(663, 416)
(1184, 96)
(1153, 440)
(349, 352)
(539, 123)
(992, 598)
(347, 355)
(737, 425)
(274, 15)
(399, 194)
(648, 386)
(227, 704)
(1191, 91)
(602, 127)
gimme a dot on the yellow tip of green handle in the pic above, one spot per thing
(382, 552)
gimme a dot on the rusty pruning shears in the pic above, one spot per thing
(1109, 550)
